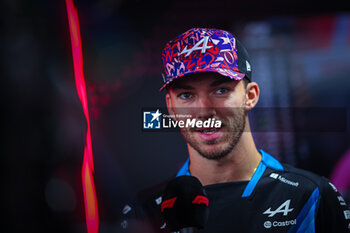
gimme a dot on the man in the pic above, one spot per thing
(208, 74)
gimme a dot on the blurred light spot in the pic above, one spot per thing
(90, 199)
(60, 196)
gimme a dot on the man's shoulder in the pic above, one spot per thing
(289, 176)
(306, 177)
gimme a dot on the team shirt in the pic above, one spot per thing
(278, 198)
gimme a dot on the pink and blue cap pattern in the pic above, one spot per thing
(205, 50)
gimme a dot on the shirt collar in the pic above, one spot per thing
(266, 158)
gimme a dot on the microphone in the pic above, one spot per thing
(185, 205)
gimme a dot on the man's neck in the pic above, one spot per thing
(239, 165)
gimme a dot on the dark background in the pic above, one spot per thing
(300, 52)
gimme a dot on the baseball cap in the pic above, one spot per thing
(205, 50)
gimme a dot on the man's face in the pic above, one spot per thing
(206, 96)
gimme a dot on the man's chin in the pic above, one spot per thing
(215, 154)
(212, 150)
(215, 149)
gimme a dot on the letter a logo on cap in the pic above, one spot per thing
(196, 47)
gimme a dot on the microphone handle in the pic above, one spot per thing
(189, 230)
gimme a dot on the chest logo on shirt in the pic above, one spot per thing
(283, 179)
(284, 208)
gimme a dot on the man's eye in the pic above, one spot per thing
(185, 95)
(221, 90)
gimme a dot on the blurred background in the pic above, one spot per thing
(300, 53)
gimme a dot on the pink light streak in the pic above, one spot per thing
(90, 200)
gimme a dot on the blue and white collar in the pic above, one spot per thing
(267, 160)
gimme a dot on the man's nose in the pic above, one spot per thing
(205, 108)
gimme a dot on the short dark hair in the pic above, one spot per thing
(245, 80)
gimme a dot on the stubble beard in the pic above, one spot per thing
(233, 131)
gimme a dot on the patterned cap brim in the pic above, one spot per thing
(224, 72)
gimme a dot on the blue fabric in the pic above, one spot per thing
(270, 161)
(306, 217)
(266, 161)
(185, 169)
(254, 180)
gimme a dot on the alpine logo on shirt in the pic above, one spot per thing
(284, 208)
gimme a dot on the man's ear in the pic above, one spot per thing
(252, 95)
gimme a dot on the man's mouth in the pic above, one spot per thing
(209, 134)
(209, 131)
